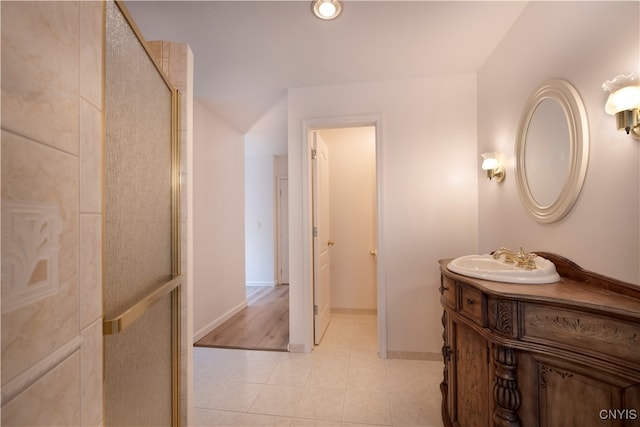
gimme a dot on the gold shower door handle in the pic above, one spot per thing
(127, 317)
(330, 243)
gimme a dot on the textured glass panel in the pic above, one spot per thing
(137, 233)
(138, 170)
(137, 365)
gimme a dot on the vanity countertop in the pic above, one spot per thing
(567, 292)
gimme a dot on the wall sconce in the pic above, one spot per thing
(493, 167)
(624, 102)
(326, 9)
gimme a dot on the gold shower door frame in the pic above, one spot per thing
(172, 287)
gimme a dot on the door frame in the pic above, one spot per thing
(307, 127)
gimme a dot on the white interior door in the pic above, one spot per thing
(283, 230)
(321, 240)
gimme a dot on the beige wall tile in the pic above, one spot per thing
(155, 47)
(54, 400)
(178, 65)
(91, 66)
(91, 375)
(90, 269)
(39, 251)
(52, 83)
(40, 80)
(183, 147)
(90, 158)
(166, 57)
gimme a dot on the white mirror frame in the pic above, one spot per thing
(569, 99)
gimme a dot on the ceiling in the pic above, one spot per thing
(247, 54)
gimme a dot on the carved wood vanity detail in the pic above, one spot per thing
(549, 355)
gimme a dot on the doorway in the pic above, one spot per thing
(267, 238)
(351, 238)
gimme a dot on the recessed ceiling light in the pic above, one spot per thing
(326, 9)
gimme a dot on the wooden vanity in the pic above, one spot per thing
(552, 355)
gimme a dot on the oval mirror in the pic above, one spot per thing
(552, 151)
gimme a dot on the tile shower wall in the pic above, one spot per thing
(52, 136)
(176, 61)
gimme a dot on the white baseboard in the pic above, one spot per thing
(415, 355)
(295, 348)
(272, 284)
(219, 321)
(339, 310)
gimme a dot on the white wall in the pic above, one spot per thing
(585, 43)
(268, 136)
(218, 219)
(352, 212)
(260, 220)
(429, 185)
(265, 143)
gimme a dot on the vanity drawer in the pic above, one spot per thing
(448, 291)
(472, 304)
(581, 332)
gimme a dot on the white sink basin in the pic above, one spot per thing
(487, 268)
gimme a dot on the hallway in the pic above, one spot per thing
(262, 325)
(342, 382)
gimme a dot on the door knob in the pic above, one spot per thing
(373, 252)
(330, 243)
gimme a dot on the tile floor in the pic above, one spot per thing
(341, 383)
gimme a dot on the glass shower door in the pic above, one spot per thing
(140, 265)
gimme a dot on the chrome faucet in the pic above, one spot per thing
(520, 259)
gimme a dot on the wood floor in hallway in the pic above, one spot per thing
(262, 325)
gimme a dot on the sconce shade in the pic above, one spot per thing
(489, 163)
(624, 102)
(623, 99)
(493, 167)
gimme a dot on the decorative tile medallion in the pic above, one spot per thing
(30, 252)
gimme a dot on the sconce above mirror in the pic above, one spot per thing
(552, 150)
(491, 164)
(624, 102)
